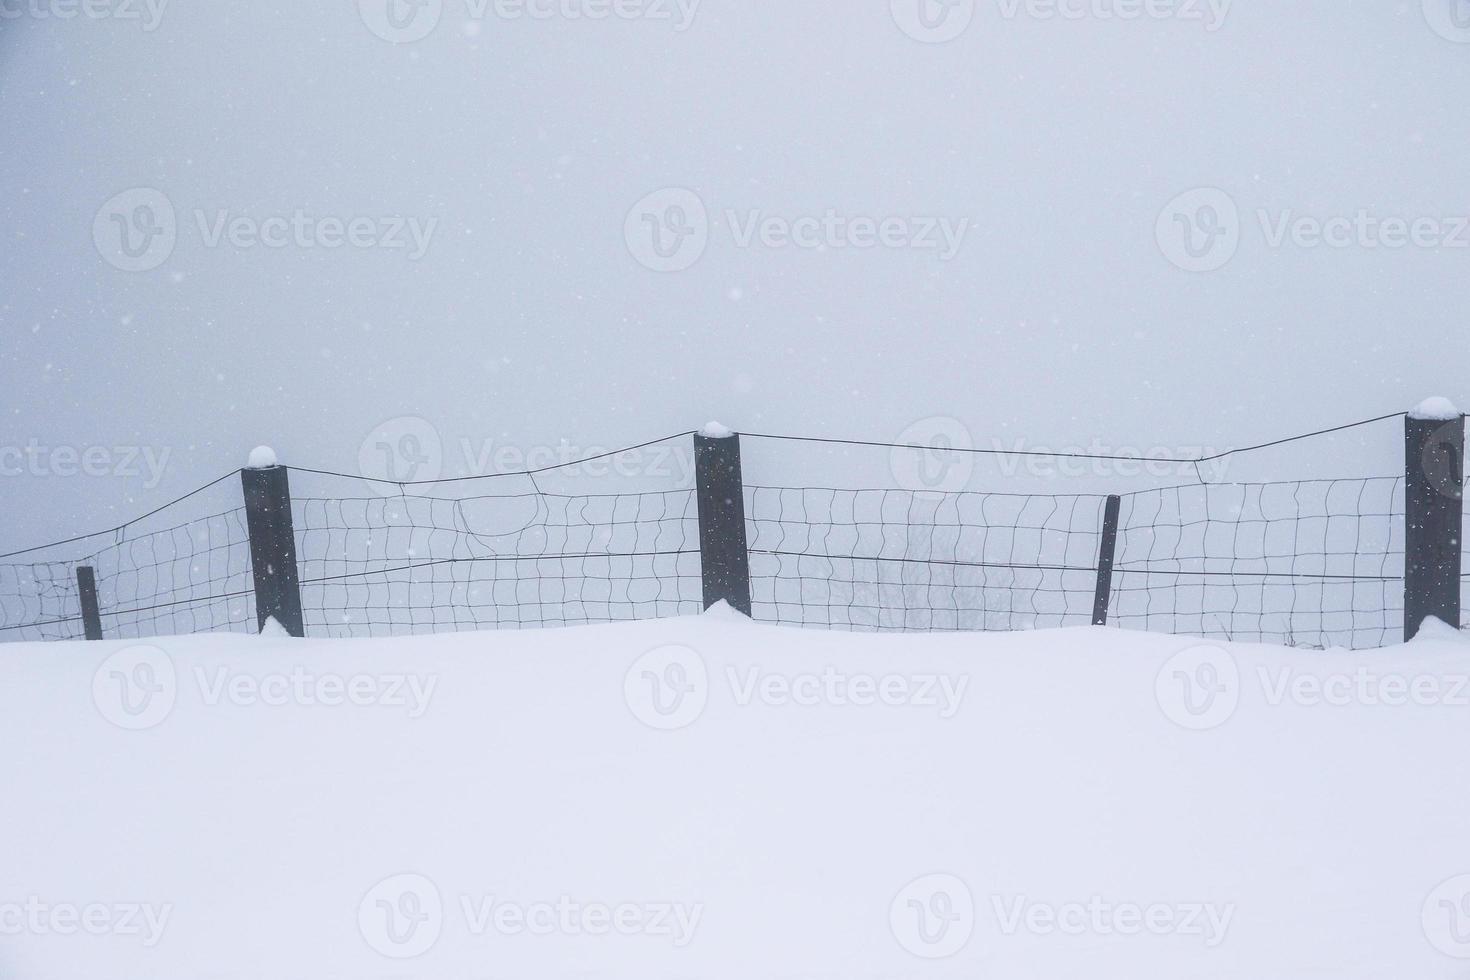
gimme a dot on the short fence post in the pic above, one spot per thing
(272, 543)
(724, 560)
(1105, 556)
(87, 589)
(1433, 514)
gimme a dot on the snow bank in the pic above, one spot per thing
(707, 797)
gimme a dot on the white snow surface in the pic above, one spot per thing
(1435, 409)
(1055, 804)
(261, 458)
(716, 430)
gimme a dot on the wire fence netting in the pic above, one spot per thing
(921, 560)
(191, 577)
(413, 564)
(1315, 562)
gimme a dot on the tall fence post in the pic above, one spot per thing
(724, 559)
(1105, 555)
(1433, 514)
(87, 590)
(272, 542)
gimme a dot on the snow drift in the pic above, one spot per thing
(707, 797)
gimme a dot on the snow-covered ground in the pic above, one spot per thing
(706, 797)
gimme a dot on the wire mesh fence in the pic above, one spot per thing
(1317, 563)
(412, 564)
(191, 577)
(921, 560)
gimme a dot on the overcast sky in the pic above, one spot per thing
(1103, 222)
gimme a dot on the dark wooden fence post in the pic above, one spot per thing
(273, 547)
(1105, 556)
(87, 589)
(1434, 514)
(721, 491)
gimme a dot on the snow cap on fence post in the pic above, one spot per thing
(1435, 409)
(262, 458)
(714, 430)
(1434, 493)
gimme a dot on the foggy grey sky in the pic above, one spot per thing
(530, 319)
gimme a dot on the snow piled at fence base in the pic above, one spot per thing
(707, 797)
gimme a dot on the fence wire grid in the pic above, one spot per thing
(412, 564)
(1312, 563)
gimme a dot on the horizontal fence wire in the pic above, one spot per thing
(192, 577)
(396, 565)
(912, 560)
(1315, 563)
(39, 601)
